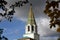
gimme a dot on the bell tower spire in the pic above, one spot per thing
(31, 23)
(31, 27)
(31, 18)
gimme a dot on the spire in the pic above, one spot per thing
(31, 27)
(31, 18)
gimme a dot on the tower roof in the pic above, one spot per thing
(31, 18)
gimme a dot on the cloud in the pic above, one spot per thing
(48, 38)
(44, 28)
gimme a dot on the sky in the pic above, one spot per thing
(15, 29)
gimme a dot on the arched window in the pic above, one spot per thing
(32, 28)
(28, 28)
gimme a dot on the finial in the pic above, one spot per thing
(30, 4)
(47, 1)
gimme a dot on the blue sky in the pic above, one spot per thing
(13, 30)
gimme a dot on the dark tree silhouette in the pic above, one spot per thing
(2, 4)
(2, 37)
(9, 14)
(20, 3)
(53, 13)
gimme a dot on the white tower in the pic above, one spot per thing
(31, 27)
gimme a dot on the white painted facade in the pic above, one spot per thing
(31, 34)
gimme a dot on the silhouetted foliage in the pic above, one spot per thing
(9, 14)
(20, 3)
(2, 4)
(2, 37)
(53, 13)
